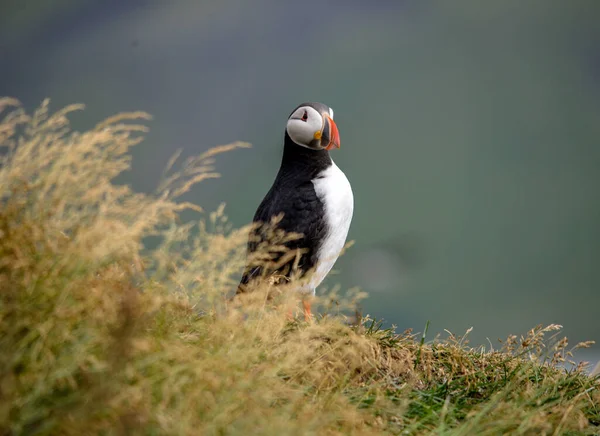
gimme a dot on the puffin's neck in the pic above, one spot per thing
(303, 160)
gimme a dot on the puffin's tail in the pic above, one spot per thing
(248, 275)
(241, 289)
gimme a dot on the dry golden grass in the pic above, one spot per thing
(100, 335)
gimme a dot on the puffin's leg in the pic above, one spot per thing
(307, 312)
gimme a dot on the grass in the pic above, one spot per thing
(102, 335)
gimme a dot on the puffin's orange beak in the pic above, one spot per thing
(331, 133)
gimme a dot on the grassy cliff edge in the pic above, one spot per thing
(102, 335)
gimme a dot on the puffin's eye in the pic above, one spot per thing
(305, 116)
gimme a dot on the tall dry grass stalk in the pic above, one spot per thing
(100, 335)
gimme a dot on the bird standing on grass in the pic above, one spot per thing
(314, 198)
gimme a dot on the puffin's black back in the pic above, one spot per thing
(293, 194)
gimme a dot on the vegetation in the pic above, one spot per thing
(102, 335)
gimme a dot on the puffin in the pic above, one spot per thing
(311, 198)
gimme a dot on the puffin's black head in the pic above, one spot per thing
(311, 125)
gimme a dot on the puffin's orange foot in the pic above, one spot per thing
(307, 313)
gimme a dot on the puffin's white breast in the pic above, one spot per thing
(334, 191)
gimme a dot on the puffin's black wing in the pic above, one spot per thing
(303, 213)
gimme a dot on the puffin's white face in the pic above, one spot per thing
(311, 129)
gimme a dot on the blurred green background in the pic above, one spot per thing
(470, 132)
